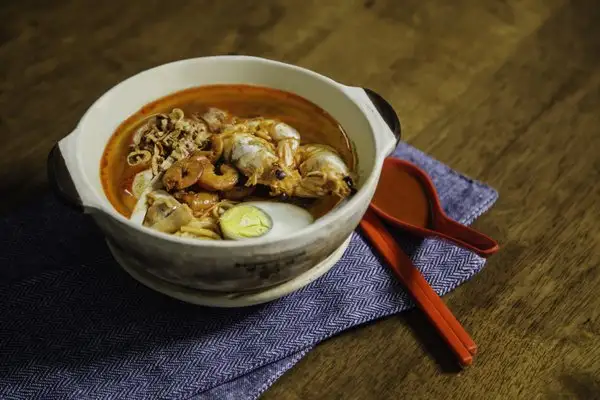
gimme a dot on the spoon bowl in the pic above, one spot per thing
(406, 198)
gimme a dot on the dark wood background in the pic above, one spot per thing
(507, 92)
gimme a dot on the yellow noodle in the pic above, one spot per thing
(200, 232)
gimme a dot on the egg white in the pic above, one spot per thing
(285, 218)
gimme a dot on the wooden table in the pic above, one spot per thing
(507, 92)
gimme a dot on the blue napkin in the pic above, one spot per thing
(73, 325)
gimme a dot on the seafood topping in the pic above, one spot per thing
(182, 174)
(210, 174)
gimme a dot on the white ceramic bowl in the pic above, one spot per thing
(225, 266)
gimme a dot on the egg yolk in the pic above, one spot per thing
(244, 222)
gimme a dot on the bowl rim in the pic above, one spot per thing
(358, 199)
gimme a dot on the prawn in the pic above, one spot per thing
(182, 174)
(210, 181)
(288, 142)
(285, 137)
(253, 156)
(322, 172)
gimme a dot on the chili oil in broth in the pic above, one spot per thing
(313, 123)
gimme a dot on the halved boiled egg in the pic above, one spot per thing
(260, 219)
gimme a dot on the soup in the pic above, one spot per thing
(181, 163)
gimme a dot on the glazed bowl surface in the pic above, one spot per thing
(224, 266)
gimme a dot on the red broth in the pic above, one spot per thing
(314, 124)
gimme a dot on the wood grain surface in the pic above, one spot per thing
(507, 92)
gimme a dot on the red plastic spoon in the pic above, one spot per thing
(407, 198)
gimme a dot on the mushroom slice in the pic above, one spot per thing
(165, 213)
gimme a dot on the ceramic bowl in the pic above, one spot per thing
(223, 266)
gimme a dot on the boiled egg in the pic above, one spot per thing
(263, 219)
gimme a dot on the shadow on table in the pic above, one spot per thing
(422, 329)
(579, 386)
(431, 341)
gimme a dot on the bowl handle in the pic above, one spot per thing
(377, 108)
(60, 180)
(387, 112)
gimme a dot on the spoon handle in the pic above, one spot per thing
(425, 297)
(466, 237)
